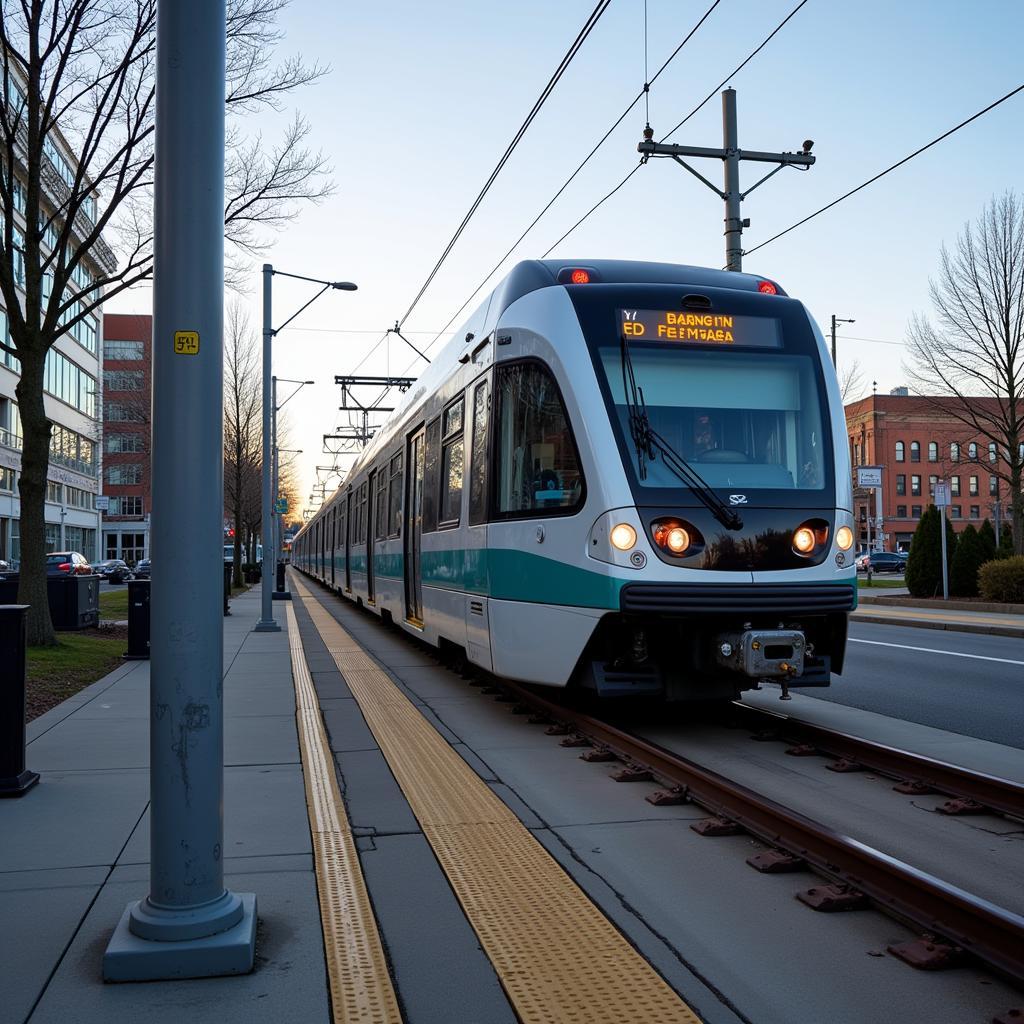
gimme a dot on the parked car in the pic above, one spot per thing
(141, 569)
(67, 563)
(114, 570)
(883, 561)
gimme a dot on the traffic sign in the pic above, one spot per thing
(102, 503)
(869, 476)
(942, 494)
(281, 507)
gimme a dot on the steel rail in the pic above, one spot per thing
(997, 794)
(982, 929)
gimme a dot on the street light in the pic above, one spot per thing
(837, 320)
(267, 623)
(275, 522)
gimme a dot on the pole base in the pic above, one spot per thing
(281, 595)
(266, 626)
(18, 785)
(130, 958)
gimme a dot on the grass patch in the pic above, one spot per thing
(114, 604)
(56, 673)
(881, 584)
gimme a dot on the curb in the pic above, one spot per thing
(955, 627)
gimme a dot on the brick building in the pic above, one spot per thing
(127, 401)
(917, 444)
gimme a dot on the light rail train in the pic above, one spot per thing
(627, 477)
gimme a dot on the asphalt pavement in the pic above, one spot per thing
(961, 682)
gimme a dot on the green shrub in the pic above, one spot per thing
(1003, 580)
(1005, 549)
(987, 536)
(924, 563)
(967, 560)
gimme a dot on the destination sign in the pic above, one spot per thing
(699, 328)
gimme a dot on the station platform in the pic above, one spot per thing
(420, 853)
(932, 617)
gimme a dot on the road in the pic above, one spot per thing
(962, 682)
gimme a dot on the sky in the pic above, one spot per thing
(421, 100)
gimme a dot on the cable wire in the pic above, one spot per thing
(584, 32)
(568, 181)
(882, 174)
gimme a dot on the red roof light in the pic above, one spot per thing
(580, 276)
(767, 288)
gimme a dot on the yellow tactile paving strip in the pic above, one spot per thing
(357, 969)
(559, 959)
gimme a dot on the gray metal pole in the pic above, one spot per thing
(834, 363)
(945, 568)
(189, 925)
(731, 145)
(267, 623)
(274, 484)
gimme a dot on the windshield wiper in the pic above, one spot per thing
(648, 443)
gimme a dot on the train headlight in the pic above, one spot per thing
(623, 536)
(803, 540)
(844, 538)
(677, 540)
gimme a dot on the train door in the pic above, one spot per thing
(414, 528)
(334, 539)
(371, 498)
(348, 541)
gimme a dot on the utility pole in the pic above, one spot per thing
(837, 320)
(731, 155)
(189, 925)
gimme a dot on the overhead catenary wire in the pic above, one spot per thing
(739, 67)
(572, 177)
(888, 170)
(584, 32)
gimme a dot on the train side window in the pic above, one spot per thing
(478, 457)
(362, 516)
(538, 468)
(380, 514)
(431, 466)
(452, 464)
(395, 497)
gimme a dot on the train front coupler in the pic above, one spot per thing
(770, 654)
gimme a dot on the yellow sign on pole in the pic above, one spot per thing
(186, 343)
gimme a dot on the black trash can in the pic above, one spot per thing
(15, 778)
(138, 620)
(280, 576)
(228, 572)
(74, 601)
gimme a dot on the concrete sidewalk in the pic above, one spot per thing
(935, 617)
(75, 850)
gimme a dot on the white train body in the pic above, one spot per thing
(484, 509)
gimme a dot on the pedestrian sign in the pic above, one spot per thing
(281, 507)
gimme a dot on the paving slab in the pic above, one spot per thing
(346, 726)
(374, 800)
(260, 739)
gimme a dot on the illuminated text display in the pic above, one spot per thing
(700, 328)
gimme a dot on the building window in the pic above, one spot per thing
(901, 511)
(972, 452)
(901, 454)
(116, 412)
(901, 483)
(122, 380)
(954, 451)
(975, 511)
(992, 456)
(915, 511)
(932, 481)
(124, 473)
(6, 479)
(915, 485)
(973, 486)
(915, 451)
(958, 511)
(123, 350)
(993, 486)
(78, 498)
(452, 463)
(70, 383)
(954, 486)
(54, 492)
(125, 505)
(538, 471)
(118, 443)
(395, 497)
(933, 451)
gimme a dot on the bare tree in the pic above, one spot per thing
(243, 412)
(78, 79)
(969, 363)
(851, 382)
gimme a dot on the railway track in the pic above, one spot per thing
(954, 924)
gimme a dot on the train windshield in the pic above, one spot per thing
(744, 420)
